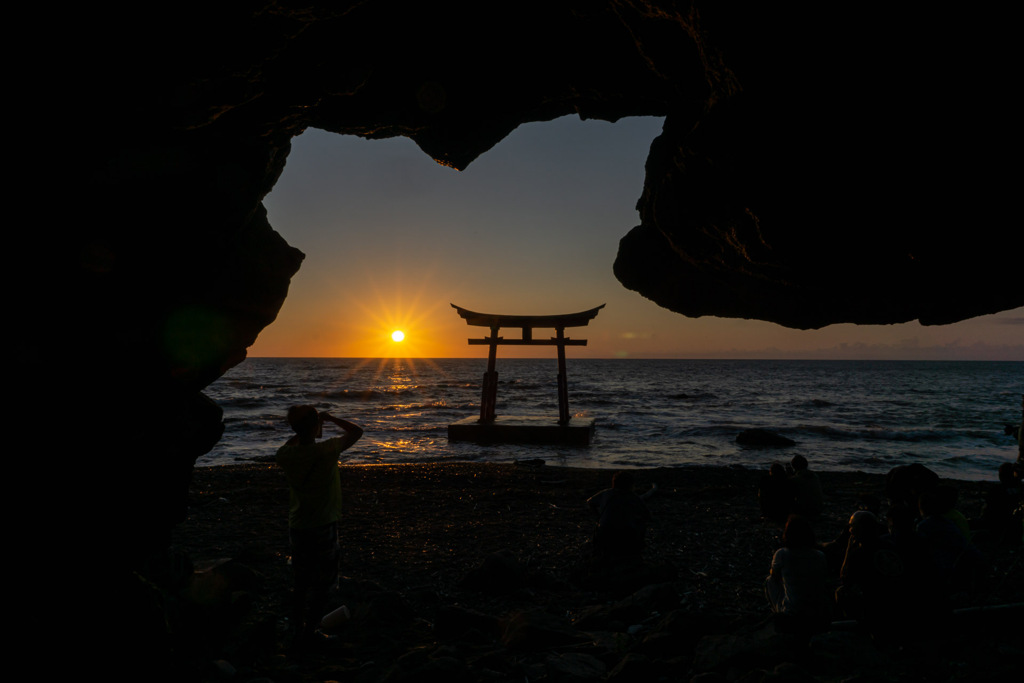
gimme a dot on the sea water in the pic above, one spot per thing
(843, 415)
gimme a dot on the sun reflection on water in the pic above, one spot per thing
(387, 432)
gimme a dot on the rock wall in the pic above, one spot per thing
(822, 165)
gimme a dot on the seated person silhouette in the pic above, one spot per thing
(835, 550)
(622, 518)
(807, 495)
(957, 562)
(872, 572)
(775, 494)
(1004, 507)
(795, 586)
(904, 484)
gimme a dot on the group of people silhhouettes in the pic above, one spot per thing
(895, 574)
(892, 575)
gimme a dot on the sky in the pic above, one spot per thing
(531, 227)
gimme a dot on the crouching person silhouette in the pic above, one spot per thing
(622, 521)
(314, 492)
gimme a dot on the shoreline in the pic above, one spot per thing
(419, 530)
(968, 480)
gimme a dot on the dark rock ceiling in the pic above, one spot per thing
(815, 166)
(841, 163)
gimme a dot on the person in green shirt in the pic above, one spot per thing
(314, 492)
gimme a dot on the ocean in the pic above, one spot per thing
(843, 415)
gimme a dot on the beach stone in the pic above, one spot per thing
(536, 629)
(709, 677)
(662, 597)
(839, 651)
(453, 621)
(661, 644)
(574, 667)
(416, 666)
(223, 669)
(609, 645)
(499, 573)
(597, 617)
(786, 672)
(677, 634)
(637, 607)
(763, 438)
(389, 607)
(637, 667)
(765, 646)
(216, 583)
(690, 626)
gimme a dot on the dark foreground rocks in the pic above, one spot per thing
(480, 573)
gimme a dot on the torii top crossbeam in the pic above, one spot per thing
(526, 323)
(564, 320)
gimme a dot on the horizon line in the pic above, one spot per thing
(631, 358)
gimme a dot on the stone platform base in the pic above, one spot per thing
(523, 429)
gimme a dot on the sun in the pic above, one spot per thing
(397, 335)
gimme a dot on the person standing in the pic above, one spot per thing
(314, 492)
(807, 496)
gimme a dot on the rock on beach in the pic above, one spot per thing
(763, 438)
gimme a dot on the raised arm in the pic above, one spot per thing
(353, 432)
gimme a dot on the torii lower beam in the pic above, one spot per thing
(488, 427)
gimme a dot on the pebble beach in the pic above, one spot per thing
(474, 571)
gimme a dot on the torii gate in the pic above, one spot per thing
(526, 323)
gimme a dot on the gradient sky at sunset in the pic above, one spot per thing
(391, 238)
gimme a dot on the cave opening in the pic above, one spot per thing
(391, 238)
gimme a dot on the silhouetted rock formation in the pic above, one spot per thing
(833, 166)
(763, 438)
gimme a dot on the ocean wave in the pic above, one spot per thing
(260, 423)
(415, 407)
(913, 436)
(596, 402)
(388, 428)
(234, 385)
(700, 396)
(889, 460)
(368, 394)
(814, 403)
(856, 433)
(828, 432)
(243, 402)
